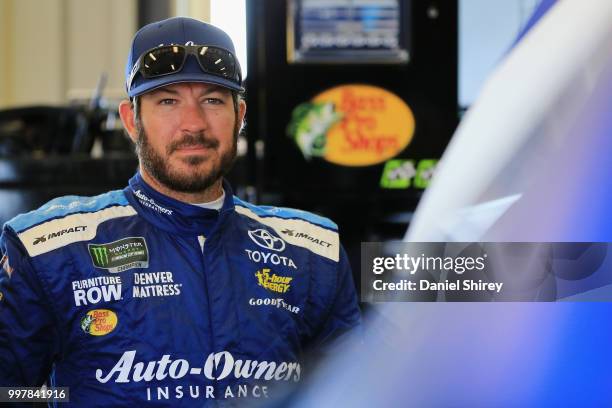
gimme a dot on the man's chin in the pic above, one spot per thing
(193, 183)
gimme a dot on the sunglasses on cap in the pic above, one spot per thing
(170, 59)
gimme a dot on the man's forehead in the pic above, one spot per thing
(198, 88)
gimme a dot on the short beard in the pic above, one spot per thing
(174, 180)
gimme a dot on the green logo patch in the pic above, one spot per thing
(424, 173)
(121, 255)
(397, 174)
(402, 173)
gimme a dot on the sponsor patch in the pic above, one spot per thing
(94, 290)
(217, 366)
(150, 203)
(155, 284)
(99, 322)
(58, 233)
(273, 282)
(269, 257)
(265, 239)
(278, 303)
(325, 236)
(304, 235)
(121, 255)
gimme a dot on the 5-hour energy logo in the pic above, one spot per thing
(273, 282)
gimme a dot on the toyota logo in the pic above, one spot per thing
(264, 239)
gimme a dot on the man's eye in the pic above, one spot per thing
(167, 101)
(213, 101)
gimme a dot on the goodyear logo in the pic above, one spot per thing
(273, 282)
(121, 255)
(99, 322)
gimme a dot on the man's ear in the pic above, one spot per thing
(126, 112)
(241, 112)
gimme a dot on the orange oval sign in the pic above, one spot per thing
(353, 125)
(99, 322)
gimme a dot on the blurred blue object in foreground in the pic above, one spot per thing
(529, 162)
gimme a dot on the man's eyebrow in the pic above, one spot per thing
(213, 89)
(209, 90)
(164, 90)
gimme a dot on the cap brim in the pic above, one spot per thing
(155, 83)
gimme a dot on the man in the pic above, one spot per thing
(171, 291)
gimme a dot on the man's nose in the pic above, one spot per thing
(193, 118)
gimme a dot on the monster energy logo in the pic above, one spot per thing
(121, 255)
(100, 254)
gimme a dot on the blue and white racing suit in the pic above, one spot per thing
(133, 298)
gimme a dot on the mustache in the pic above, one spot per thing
(193, 140)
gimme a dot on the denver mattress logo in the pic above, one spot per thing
(121, 255)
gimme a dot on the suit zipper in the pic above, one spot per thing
(202, 242)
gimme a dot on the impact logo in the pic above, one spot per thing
(59, 233)
(265, 239)
(99, 322)
(273, 282)
(121, 255)
(297, 234)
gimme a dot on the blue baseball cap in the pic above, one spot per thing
(181, 31)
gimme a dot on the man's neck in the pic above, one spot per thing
(210, 194)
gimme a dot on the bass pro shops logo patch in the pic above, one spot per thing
(99, 322)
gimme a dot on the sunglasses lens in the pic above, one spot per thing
(217, 62)
(163, 61)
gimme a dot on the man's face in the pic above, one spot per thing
(187, 134)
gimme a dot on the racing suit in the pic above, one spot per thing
(133, 298)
